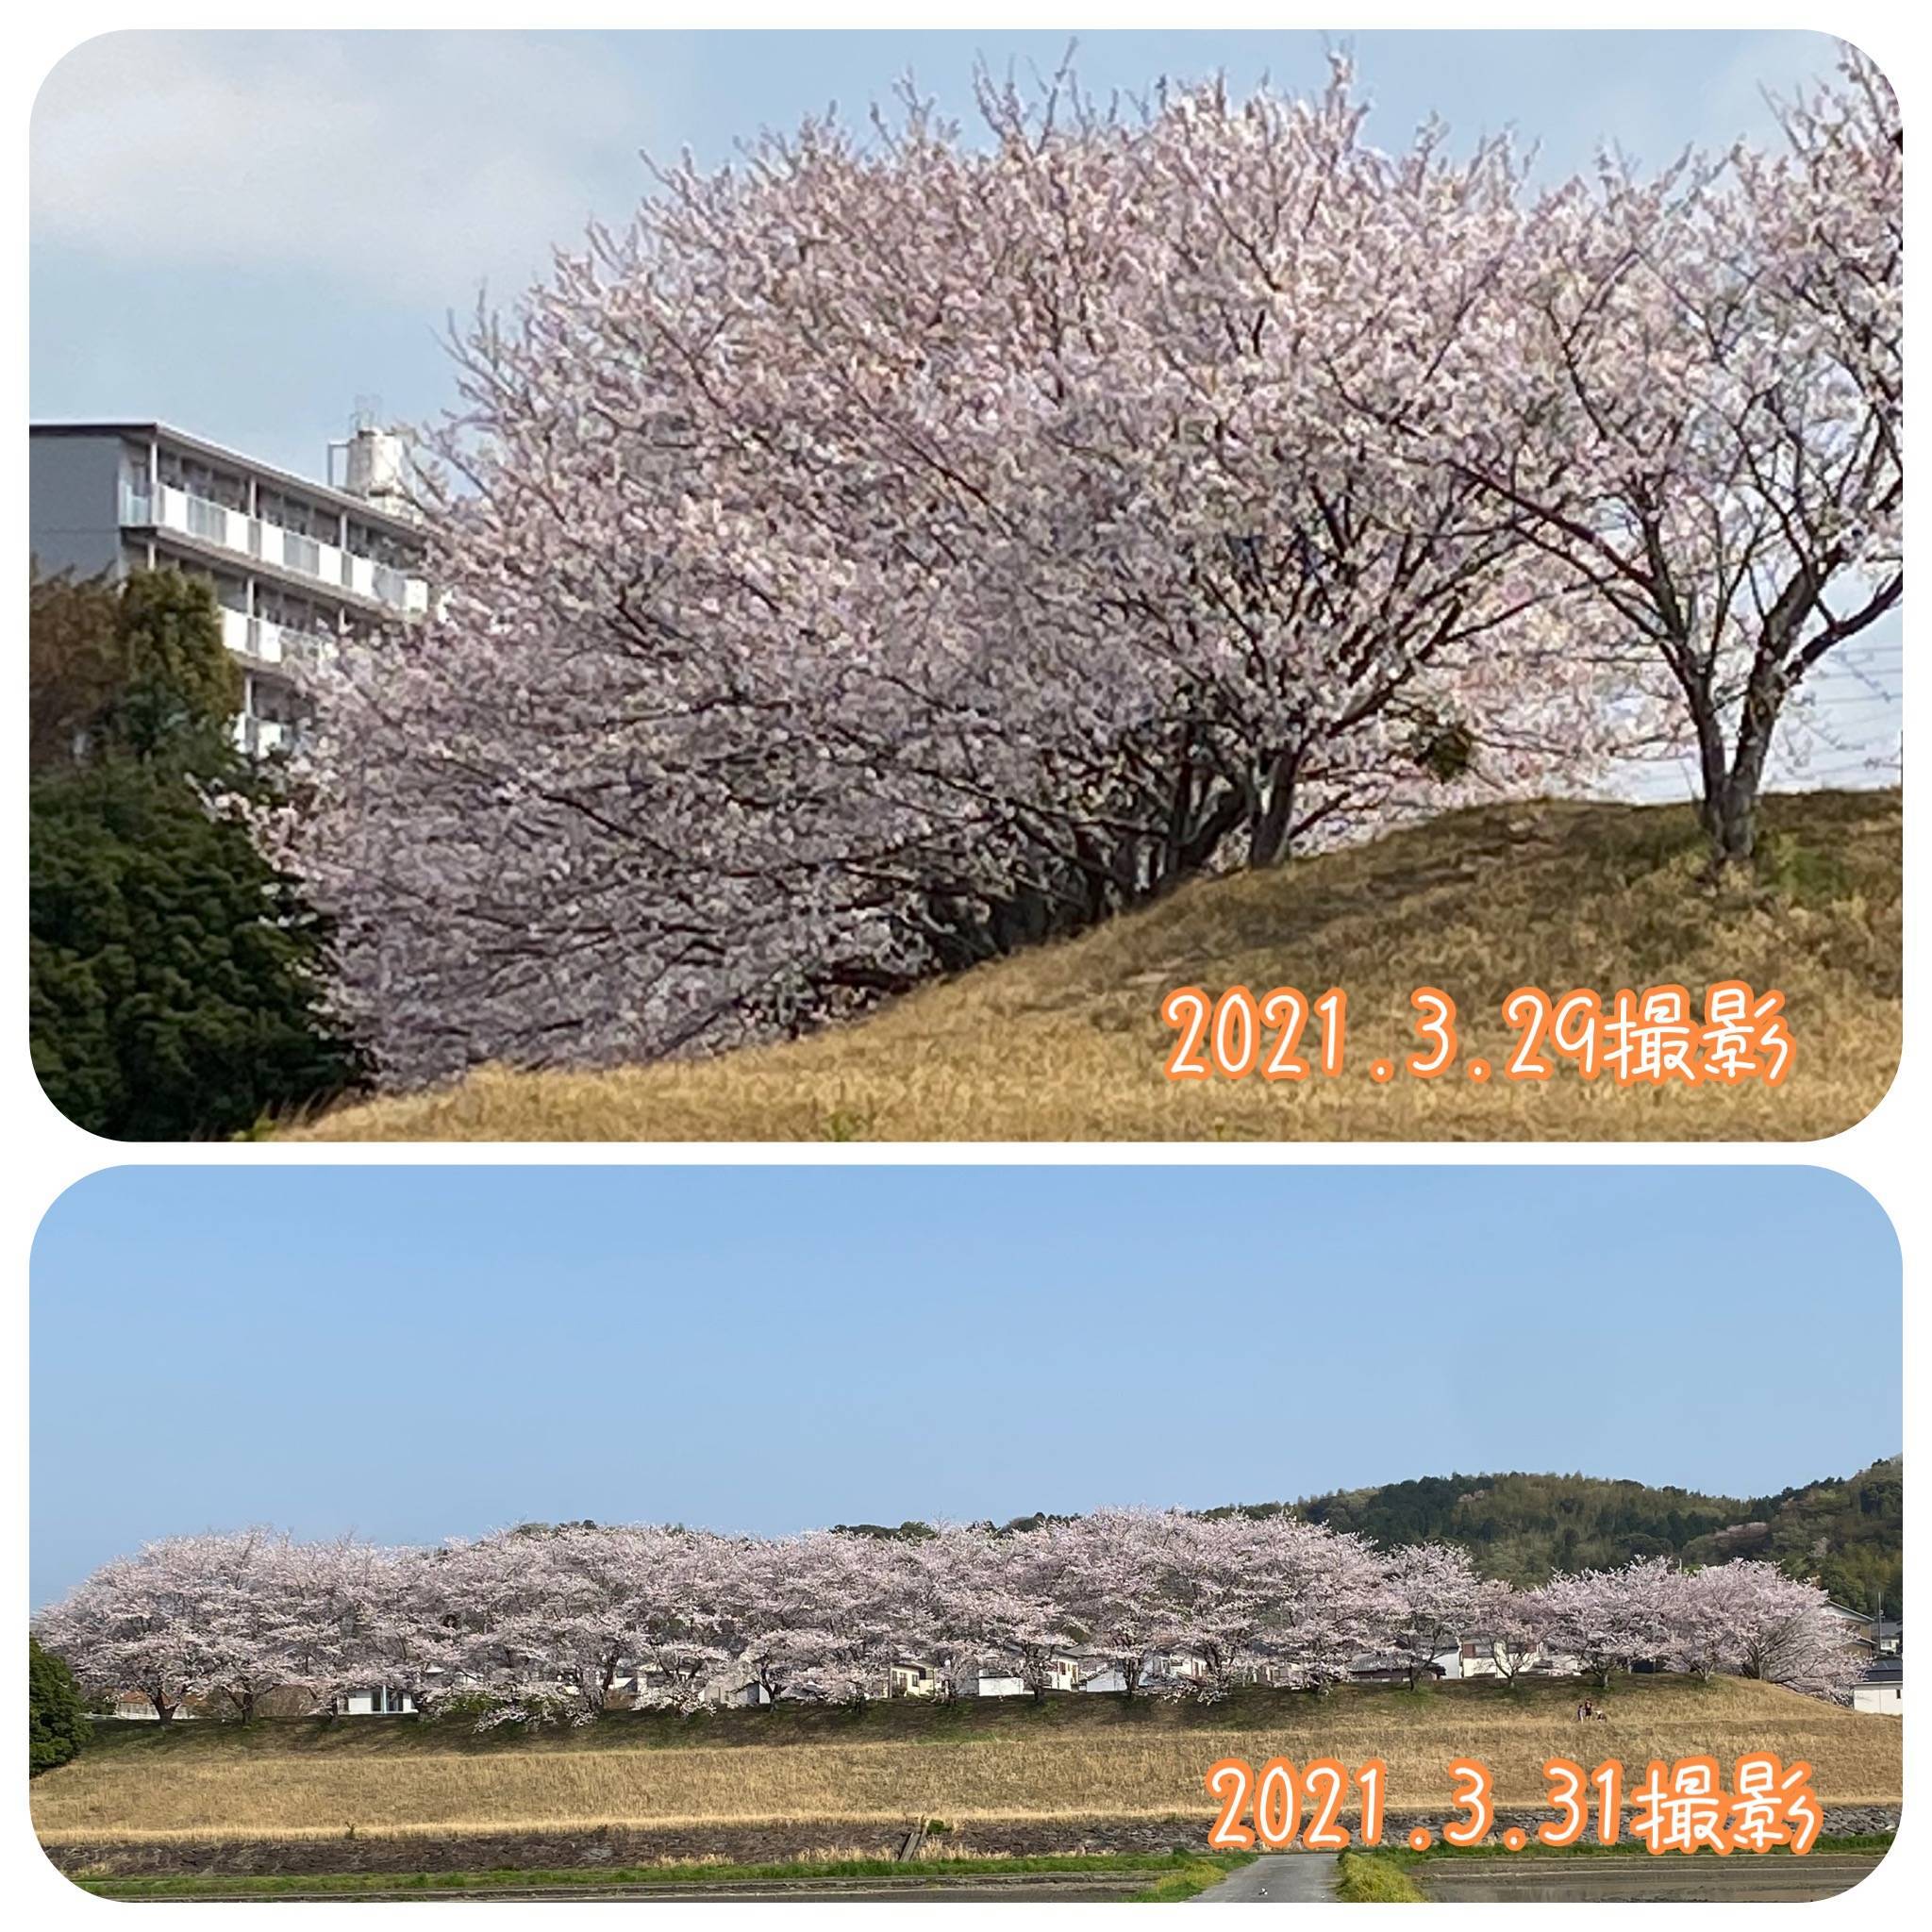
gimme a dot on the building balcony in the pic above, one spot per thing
(275, 645)
(256, 539)
(260, 736)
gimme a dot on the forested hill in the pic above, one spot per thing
(1845, 1531)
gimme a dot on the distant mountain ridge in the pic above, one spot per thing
(1845, 1531)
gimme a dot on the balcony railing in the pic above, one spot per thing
(238, 632)
(327, 564)
(278, 645)
(208, 520)
(258, 737)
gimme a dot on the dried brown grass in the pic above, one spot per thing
(1065, 1042)
(1149, 1764)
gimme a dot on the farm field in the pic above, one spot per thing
(1076, 1758)
(1631, 1877)
(1640, 1880)
(1065, 1042)
(1626, 1875)
(1135, 1877)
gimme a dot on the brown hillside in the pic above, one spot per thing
(1076, 1755)
(1065, 1042)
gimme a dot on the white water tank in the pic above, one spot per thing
(374, 467)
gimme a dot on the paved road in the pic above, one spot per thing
(1276, 1878)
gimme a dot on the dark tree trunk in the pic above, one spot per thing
(1268, 837)
(1731, 822)
(1734, 826)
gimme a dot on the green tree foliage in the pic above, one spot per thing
(74, 664)
(56, 1716)
(179, 688)
(911, 1531)
(176, 977)
(1845, 1532)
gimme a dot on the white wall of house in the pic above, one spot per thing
(1063, 1675)
(383, 1700)
(1158, 1670)
(139, 1706)
(1881, 1700)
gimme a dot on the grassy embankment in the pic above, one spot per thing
(1169, 1875)
(1377, 1878)
(1065, 1042)
(1075, 1758)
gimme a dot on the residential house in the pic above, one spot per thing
(1881, 1689)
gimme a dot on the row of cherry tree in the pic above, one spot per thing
(547, 1622)
(893, 548)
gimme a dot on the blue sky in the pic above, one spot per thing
(245, 234)
(342, 191)
(413, 1352)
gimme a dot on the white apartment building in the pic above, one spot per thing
(296, 564)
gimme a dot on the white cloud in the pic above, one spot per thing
(414, 165)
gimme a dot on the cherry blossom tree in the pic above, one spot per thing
(277, 1616)
(398, 1628)
(1324, 1601)
(1007, 1613)
(564, 1607)
(1712, 379)
(684, 1641)
(1218, 1602)
(1272, 1594)
(819, 1617)
(941, 1572)
(889, 550)
(147, 1622)
(1432, 1596)
(543, 1623)
(522, 1644)
(1750, 1619)
(1512, 1626)
(1114, 1587)
(1607, 1620)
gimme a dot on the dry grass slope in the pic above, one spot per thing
(1080, 1758)
(1065, 1042)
